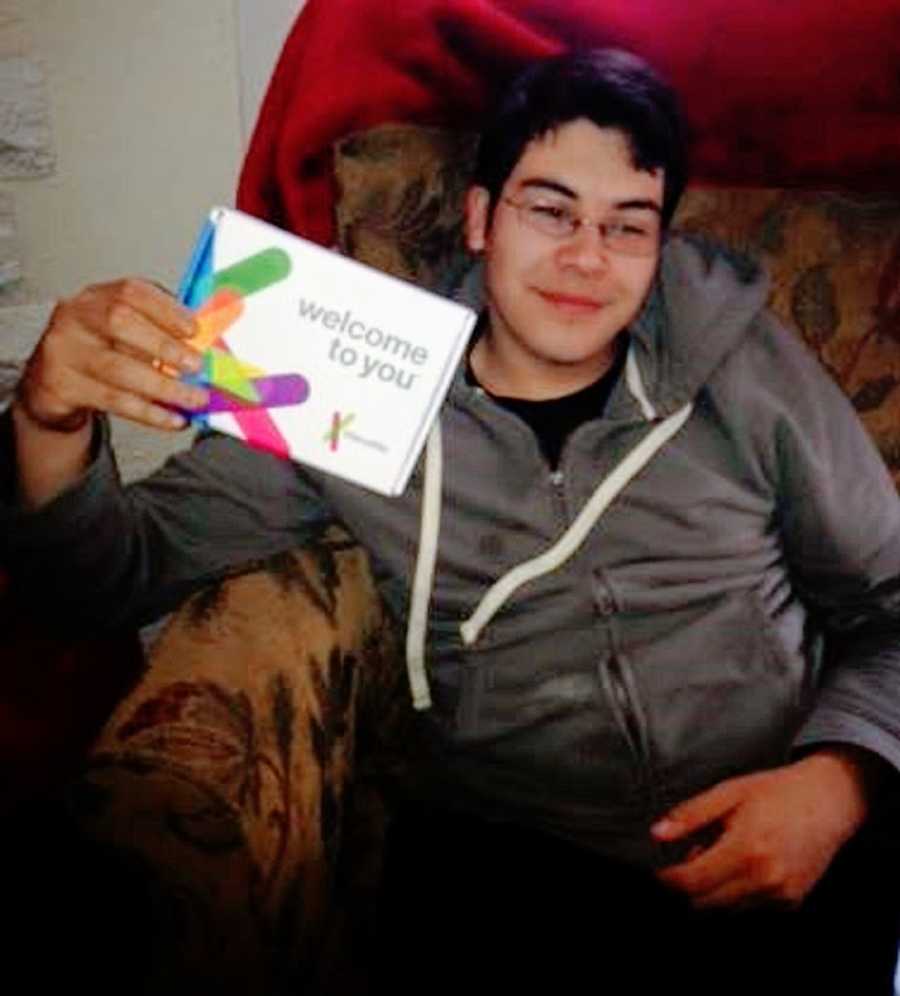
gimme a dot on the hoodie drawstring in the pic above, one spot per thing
(423, 579)
(551, 559)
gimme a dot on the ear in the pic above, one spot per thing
(476, 218)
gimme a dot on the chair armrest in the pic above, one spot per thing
(226, 772)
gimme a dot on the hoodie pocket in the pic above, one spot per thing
(781, 660)
(721, 688)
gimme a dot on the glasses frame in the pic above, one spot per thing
(578, 221)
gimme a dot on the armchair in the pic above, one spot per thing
(224, 759)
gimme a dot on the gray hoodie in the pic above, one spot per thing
(733, 598)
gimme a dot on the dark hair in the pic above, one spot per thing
(611, 88)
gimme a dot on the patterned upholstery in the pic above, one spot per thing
(834, 257)
(227, 777)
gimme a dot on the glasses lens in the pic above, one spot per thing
(633, 238)
(548, 217)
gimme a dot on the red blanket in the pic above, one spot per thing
(799, 93)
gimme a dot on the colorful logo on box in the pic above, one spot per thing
(338, 424)
(234, 386)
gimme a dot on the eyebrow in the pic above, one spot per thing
(546, 184)
(633, 204)
(641, 204)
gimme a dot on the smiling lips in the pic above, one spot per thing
(573, 304)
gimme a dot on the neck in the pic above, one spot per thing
(510, 374)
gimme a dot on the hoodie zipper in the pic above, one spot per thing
(557, 489)
(614, 670)
(634, 734)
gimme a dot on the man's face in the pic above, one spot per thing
(556, 304)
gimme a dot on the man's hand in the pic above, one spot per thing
(112, 348)
(104, 350)
(780, 830)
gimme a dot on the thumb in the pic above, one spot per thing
(699, 811)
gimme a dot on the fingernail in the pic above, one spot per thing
(176, 421)
(663, 828)
(192, 361)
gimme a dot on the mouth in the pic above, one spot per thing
(572, 304)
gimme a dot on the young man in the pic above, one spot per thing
(654, 508)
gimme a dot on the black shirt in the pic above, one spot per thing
(553, 420)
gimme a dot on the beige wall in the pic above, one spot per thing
(145, 118)
(146, 98)
(262, 27)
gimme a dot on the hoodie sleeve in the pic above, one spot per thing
(839, 518)
(101, 554)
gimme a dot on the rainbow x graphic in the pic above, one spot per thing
(235, 386)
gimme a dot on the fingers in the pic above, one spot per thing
(780, 830)
(132, 332)
(736, 876)
(118, 348)
(121, 385)
(696, 813)
(709, 870)
(117, 383)
(130, 405)
(156, 304)
(759, 858)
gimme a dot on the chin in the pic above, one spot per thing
(581, 351)
(566, 359)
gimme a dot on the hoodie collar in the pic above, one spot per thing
(698, 311)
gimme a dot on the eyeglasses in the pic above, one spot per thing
(627, 236)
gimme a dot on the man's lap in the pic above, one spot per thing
(469, 903)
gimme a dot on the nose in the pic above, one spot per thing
(585, 249)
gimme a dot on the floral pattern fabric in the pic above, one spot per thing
(834, 257)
